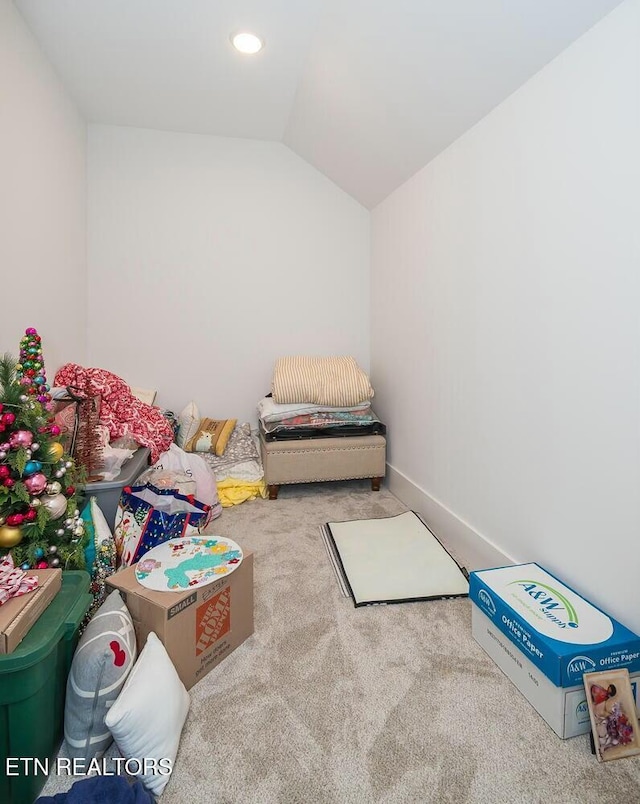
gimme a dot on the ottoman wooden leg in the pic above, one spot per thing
(273, 492)
(375, 483)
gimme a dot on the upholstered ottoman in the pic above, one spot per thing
(317, 459)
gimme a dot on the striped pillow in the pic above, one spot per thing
(102, 661)
(335, 381)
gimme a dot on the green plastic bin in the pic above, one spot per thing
(33, 683)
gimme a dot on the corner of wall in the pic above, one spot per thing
(472, 550)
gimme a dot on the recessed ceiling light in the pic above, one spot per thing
(247, 42)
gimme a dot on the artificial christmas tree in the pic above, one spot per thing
(30, 371)
(39, 518)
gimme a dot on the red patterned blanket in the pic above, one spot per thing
(120, 410)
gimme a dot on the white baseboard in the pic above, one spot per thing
(468, 547)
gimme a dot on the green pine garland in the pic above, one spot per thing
(44, 539)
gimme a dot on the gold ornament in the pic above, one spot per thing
(10, 537)
(56, 451)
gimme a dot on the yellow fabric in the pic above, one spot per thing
(233, 492)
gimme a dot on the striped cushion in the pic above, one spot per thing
(102, 661)
(335, 381)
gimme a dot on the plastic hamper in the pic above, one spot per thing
(107, 492)
(33, 682)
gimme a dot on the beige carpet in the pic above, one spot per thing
(329, 704)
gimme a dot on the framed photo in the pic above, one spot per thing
(612, 709)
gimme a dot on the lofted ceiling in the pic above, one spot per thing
(367, 91)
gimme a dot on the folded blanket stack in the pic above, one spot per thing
(239, 473)
(314, 397)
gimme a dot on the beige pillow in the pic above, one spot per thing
(188, 422)
(327, 381)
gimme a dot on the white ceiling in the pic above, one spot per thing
(367, 91)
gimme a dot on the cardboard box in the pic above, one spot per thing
(18, 614)
(564, 708)
(559, 631)
(199, 627)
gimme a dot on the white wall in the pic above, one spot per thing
(211, 257)
(42, 202)
(505, 322)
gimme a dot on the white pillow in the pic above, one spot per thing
(147, 718)
(188, 422)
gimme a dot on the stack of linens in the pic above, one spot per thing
(318, 397)
(239, 473)
(229, 448)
